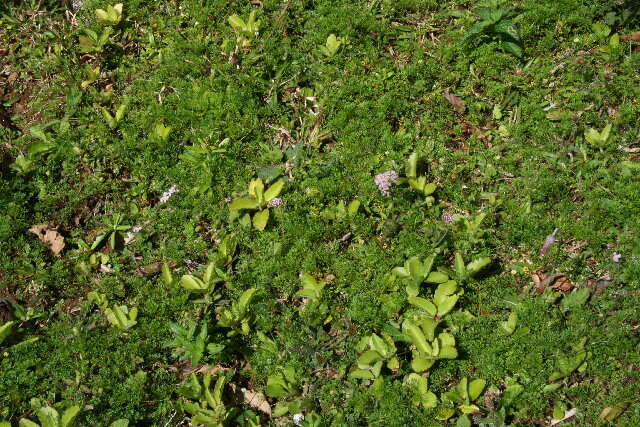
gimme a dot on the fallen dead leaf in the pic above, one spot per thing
(50, 237)
(598, 285)
(541, 281)
(610, 413)
(456, 103)
(634, 37)
(563, 284)
(255, 399)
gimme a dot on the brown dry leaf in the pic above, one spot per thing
(541, 281)
(634, 37)
(456, 103)
(49, 237)
(563, 284)
(598, 285)
(327, 373)
(255, 399)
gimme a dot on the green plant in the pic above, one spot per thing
(283, 383)
(331, 46)
(237, 317)
(189, 345)
(567, 364)
(416, 271)
(91, 41)
(205, 405)
(427, 347)
(464, 395)
(205, 284)
(416, 182)
(49, 417)
(203, 158)
(5, 330)
(376, 352)
(246, 30)
(420, 387)
(464, 272)
(341, 211)
(258, 200)
(444, 299)
(121, 317)
(116, 118)
(111, 16)
(598, 139)
(495, 22)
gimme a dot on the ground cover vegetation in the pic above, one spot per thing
(319, 212)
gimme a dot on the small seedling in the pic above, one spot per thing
(258, 200)
(121, 317)
(282, 383)
(246, 30)
(464, 395)
(203, 404)
(598, 139)
(237, 316)
(5, 330)
(378, 351)
(110, 16)
(49, 417)
(205, 284)
(331, 46)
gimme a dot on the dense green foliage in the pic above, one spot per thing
(211, 165)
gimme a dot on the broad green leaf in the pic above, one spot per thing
(244, 203)
(463, 420)
(256, 189)
(120, 112)
(273, 191)
(429, 327)
(69, 416)
(417, 337)
(423, 304)
(333, 44)
(368, 358)
(362, 374)
(166, 275)
(436, 277)
(245, 299)
(478, 264)
(575, 299)
(448, 353)
(444, 290)
(400, 272)
(412, 166)
(26, 423)
(447, 304)
(444, 414)
(459, 267)
(605, 133)
(236, 22)
(48, 417)
(260, 219)
(379, 345)
(453, 396)
(192, 283)
(353, 208)
(429, 189)
(419, 364)
(415, 268)
(5, 330)
(276, 387)
(510, 325)
(475, 388)
(123, 422)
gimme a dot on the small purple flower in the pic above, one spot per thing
(277, 201)
(548, 242)
(385, 180)
(448, 218)
(616, 257)
(167, 194)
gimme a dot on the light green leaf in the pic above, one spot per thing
(192, 283)
(423, 304)
(5, 330)
(436, 277)
(475, 388)
(123, 422)
(417, 337)
(260, 219)
(463, 420)
(429, 189)
(510, 325)
(244, 203)
(353, 208)
(48, 417)
(273, 191)
(236, 22)
(419, 364)
(361, 374)
(26, 423)
(447, 304)
(69, 416)
(368, 358)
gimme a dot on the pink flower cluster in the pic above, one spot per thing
(385, 180)
(167, 194)
(274, 202)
